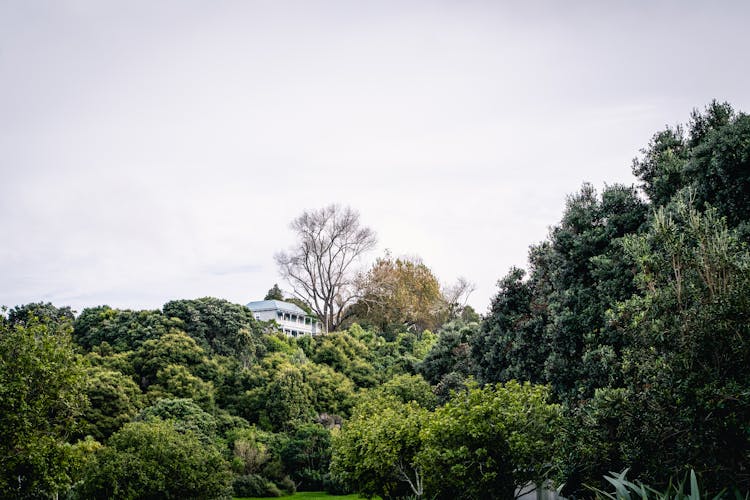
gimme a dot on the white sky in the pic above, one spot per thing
(156, 150)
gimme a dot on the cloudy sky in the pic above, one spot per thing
(155, 150)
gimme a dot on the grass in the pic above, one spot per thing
(312, 495)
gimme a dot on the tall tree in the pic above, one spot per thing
(688, 388)
(398, 294)
(320, 267)
(589, 273)
(510, 343)
(41, 397)
(552, 328)
(661, 164)
(307, 453)
(710, 156)
(719, 167)
(684, 398)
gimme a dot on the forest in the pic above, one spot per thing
(619, 352)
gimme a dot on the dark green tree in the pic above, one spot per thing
(274, 293)
(218, 326)
(660, 167)
(684, 400)
(185, 415)
(307, 455)
(174, 348)
(589, 273)
(123, 330)
(449, 361)
(114, 400)
(718, 171)
(510, 343)
(711, 159)
(552, 326)
(43, 312)
(688, 389)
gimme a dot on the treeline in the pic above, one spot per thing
(623, 344)
(635, 313)
(196, 400)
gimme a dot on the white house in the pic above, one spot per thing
(292, 320)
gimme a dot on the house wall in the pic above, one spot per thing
(290, 323)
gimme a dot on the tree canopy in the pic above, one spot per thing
(41, 396)
(397, 294)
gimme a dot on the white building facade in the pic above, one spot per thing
(292, 320)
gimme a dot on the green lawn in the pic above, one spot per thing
(313, 495)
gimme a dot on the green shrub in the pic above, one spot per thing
(153, 459)
(254, 485)
(287, 485)
(334, 485)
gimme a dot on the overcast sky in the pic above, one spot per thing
(156, 150)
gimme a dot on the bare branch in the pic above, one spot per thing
(457, 295)
(320, 268)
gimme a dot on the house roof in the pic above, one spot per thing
(275, 305)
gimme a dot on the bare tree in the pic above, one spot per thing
(456, 296)
(320, 267)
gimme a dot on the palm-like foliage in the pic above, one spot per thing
(636, 490)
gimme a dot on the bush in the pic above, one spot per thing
(254, 485)
(334, 485)
(287, 485)
(489, 442)
(311, 479)
(185, 414)
(155, 460)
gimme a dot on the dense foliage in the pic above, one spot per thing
(155, 460)
(623, 344)
(41, 396)
(635, 312)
